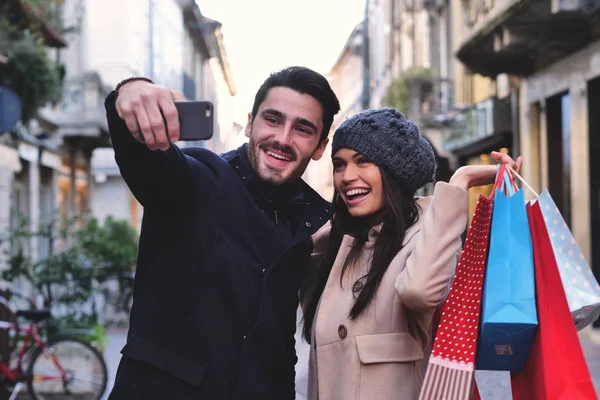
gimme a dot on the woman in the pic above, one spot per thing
(386, 261)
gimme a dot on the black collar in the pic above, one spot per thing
(297, 194)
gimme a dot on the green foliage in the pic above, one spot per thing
(50, 9)
(112, 245)
(419, 72)
(398, 93)
(397, 96)
(69, 277)
(30, 73)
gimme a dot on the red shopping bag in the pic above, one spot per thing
(556, 368)
(451, 371)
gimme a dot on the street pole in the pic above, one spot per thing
(366, 94)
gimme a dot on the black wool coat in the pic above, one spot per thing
(222, 256)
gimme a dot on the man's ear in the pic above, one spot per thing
(320, 150)
(248, 129)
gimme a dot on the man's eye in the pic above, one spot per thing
(271, 120)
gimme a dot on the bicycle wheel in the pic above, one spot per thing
(83, 377)
(127, 303)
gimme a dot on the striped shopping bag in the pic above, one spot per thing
(451, 371)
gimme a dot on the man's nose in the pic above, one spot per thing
(285, 135)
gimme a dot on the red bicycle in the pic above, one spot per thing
(60, 368)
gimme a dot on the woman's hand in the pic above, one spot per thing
(479, 175)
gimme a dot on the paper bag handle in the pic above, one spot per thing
(522, 181)
(504, 181)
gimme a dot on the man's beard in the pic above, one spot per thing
(273, 175)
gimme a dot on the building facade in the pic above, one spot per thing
(346, 80)
(394, 39)
(546, 54)
(169, 41)
(30, 156)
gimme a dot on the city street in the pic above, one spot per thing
(492, 385)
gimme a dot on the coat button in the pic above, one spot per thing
(308, 224)
(342, 331)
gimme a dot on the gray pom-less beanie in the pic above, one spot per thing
(390, 141)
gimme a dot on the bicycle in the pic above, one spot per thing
(55, 367)
(118, 298)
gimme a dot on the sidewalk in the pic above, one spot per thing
(112, 355)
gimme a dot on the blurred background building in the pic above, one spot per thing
(518, 76)
(521, 76)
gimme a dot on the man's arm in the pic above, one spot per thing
(156, 171)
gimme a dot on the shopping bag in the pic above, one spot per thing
(580, 285)
(509, 317)
(556, 368)
(451, 373)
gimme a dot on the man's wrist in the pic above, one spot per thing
(129, 80)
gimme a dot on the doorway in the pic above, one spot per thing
(558, 109)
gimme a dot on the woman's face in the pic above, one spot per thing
(358, 181)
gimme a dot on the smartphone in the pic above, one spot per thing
(196, 120)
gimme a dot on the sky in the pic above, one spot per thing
(263, 36)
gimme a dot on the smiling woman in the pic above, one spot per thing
(385, 262)
(358, 181)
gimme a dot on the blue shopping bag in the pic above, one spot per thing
(509, 316)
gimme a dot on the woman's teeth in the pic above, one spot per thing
(355, 192)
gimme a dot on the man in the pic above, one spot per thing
(225, 241)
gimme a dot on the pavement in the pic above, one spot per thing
(492, 385)
(112, 355)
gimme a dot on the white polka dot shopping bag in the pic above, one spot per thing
(581, 287)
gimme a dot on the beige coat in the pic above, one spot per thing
(381, 355)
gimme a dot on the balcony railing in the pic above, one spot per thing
(481, 121)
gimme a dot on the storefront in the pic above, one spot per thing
(560, 126)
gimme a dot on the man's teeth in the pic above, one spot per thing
(278, 156)
(354, 192)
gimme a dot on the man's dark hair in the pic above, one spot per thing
(305, 81)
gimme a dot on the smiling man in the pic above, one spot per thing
(225, 241)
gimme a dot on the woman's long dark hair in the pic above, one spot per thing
(400, 211)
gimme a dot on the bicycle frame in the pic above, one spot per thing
(32, 339)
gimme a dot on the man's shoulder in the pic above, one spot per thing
(206, 156)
